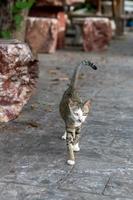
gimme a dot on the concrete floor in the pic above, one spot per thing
(32, 155)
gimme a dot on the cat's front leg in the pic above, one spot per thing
(76, 140)
(70, 141)
(76, 147)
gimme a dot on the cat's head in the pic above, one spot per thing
(79, 113)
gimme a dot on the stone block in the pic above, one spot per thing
(97, 33)
(18, 74)
(58, 2)
(41, 34)
(62, 22)
(53, 12)
(71, 2)
(50, 2)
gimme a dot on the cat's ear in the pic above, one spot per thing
(87, 104)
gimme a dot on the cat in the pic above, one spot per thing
(74, 112)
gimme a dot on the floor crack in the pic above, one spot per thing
(106, 185)
(64, 177)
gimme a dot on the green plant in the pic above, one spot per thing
(86, 6)
(16, 10)
(5, 34)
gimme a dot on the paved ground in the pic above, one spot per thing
(32, 155)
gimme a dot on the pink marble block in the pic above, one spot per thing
(58, 2)
(71, 2)
(18, 77)
(42, 34)
(62, 23)
(97, 33)
(50, 2)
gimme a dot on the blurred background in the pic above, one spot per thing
(48, 25)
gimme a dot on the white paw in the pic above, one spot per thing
(70, 162)
(76, 147)
(64, 136)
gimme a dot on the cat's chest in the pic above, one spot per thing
(77, 119)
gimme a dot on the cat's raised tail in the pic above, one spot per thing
(77, 70)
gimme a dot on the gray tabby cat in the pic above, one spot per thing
(74, 112)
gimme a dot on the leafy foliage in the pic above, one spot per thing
(22, 4)
(5, 34)
(88, 6)
(16, 10)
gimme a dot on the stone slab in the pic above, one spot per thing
(18, 77)
(97, 33)
(42, 34)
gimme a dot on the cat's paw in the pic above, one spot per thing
(76, 147)
(70, 162)
(64, 136)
